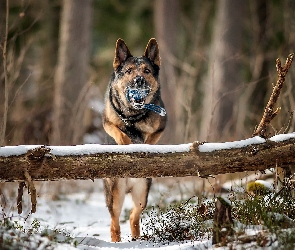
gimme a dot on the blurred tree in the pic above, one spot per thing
(22, 20)
(184, 30)
(166, 19)
(252, 101)
(191, 63)
(260, 71)
(48, 42)
(224, 73)
(71, 72)
(4, 13)
(38, 122)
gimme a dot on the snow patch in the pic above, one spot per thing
(210, 147)
(89, 149)
(132, 148)
(282, 137)
(266, 184)
(16, 150)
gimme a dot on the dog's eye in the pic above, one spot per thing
(147, 71)
(128, 71)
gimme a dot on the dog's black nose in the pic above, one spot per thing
(139, 81)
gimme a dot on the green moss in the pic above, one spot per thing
(257, 188)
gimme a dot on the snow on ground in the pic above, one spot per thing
(239, 185)
(85, 217)
(78, 208)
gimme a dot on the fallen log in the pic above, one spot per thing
(42, 163)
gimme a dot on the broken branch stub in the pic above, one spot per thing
(34, 158)
(222, 221)
(20, 192)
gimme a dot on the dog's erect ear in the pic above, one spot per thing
(152, 52)
(121, 53)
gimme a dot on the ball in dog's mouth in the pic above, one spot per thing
(137, 96)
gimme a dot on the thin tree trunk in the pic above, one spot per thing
(71, 72)
(6, 80)
(166, 18)
(2, 31)
(49, 45)
(222, 82)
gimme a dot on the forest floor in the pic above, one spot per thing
(74, 215)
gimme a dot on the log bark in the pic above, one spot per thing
(42, 165)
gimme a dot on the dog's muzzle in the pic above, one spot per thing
(137, 92)
(136, 97)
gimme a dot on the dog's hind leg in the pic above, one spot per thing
(139, 195)
(115, 190)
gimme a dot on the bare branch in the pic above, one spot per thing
(270, 112)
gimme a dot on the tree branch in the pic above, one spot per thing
(270, 112)
(43, 163)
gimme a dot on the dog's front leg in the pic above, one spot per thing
(120, 137)
(153, 138)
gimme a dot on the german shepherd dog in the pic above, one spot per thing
(134, 113)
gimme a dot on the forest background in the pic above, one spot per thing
(218, 66)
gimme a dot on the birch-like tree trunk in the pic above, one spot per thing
(4, 29)
(71, 72)
(166, 15)
(224, 76)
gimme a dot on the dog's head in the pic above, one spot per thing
(136, 79)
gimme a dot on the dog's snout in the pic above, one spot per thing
(139, 81)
